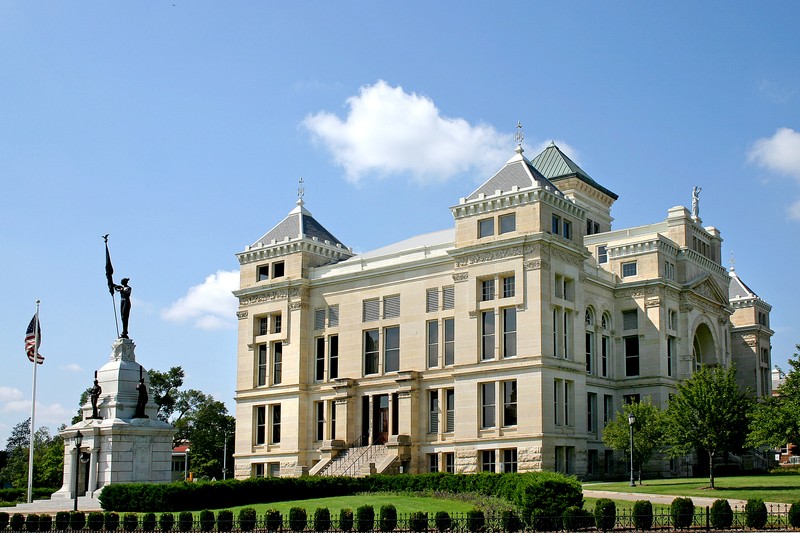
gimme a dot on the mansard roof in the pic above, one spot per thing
(555, 165)
(298, 224)
(518, 171)
(738, 289)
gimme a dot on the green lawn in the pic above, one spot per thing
(770, 488)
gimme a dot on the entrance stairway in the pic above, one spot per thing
(358, 461)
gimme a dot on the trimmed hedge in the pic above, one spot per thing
(510, 521)
(149, 522)
(77, 520)
(62, 520)
(681, 510)
(17, 521)
(298, 518)
(322, 519)
(112, 521)
(605, 514)
(546, 493)
(206, 520)
(130, 522)
(165, 522)
(21, 495)
(476, 521)
(643, 515)
(225, 520)
(345, 519)
(794, 514)
(95, 521)
(4, 517)
(443, 521)
(755, 513)
(32, 522)
(365, 518)
(721, 514)
(185, 521)
(45, 522)
(247, 518)
(387, 518)
(273, 521)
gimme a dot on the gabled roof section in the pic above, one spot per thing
(517, 172)
(738, 289)
(298, 224)
(555, 165)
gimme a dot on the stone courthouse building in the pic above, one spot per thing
(502, 344)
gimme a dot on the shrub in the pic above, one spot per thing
(206, 520)
(365, 518)
(681, 510)
(95, 520)
(643, 515)
(345, 519)
(32, 522)
(510, 521)
(794, 515)
(45, 522)
(575, 518)
(3, 520)
(225, 520)
(130, 522)
(543, 497)
(755, 513)
(721, 514)
(165, 521)
(273, 520)
(185, 521)
(605, 514)
(418, 521)
(149, 522)
(77, 520)
(387, 517)
(62, 520)
(443, 521)
(297, 519)
(17, 521)
(247, 519)
(475, 520)
(322, 519)
(112, 521)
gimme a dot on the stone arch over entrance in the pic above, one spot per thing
(704, 348)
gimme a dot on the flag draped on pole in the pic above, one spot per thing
(33, 338)
(109, 269)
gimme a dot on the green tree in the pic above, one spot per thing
(165, 390)
(648, 434)
(775, 420)
(48, 457)
(709, 413)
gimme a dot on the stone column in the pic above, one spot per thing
(93, 467)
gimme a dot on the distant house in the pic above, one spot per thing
(180, 460)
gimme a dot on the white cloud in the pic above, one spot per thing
(779, 153)
(794, 210)
(388, 131)
(72, 367)
(8, 394)
(209, 305)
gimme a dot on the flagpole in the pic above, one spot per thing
(33, 404)
(114, 305)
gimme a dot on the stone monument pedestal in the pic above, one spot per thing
(117, 447)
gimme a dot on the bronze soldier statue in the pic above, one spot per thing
(124, 304)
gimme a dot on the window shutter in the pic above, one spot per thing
(333, 316)
(432, 301)
(449, 297)
(391, 306)
(370, 310)
(434, 422)
(450, 423)
(319, 318)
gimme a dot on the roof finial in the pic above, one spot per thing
(518, 137)
(733, 262)
(300, 192)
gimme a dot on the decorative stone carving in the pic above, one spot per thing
(458, 277)
(250, 347)
(533, 264)
(652, 302)
(488, 256)
(571, 258)
(270, 296)
(241, 314)
(635, 293)
(297, 305)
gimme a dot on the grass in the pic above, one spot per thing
(770, 488)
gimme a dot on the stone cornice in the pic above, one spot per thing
(516, 198)
(333, 252)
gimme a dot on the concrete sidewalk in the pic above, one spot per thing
(85, 504)
(667, 499)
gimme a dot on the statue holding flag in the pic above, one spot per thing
(124, 294)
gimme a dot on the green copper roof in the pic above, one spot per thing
(554, 165)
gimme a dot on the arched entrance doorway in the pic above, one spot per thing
(704, 352)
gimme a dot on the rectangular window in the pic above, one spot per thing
(275, 436)
(557, 392)
(487, 290)
(431, 300)
(391, 306)
(509, 332)
(510, 403)
(568, 403)
(628, 269)
(508, 287)
(591, 412)
(565, 329)
(276, 323)
(630, 398)
(433, 411)
(261, 424)
(277, 269)
(487, 335)
(332, 411)
(262, 325)
(449, 341)
(568, 229)
(319, 359)
(487, 460)
(258, 469)
(555, 227)
(320, 409)
(510, 460)
(449, 462)
(485, 228)
(448, 297)
(591, 463)
(261, 379)
(433, 343)
(605, 353)
(263, 273)
(609, 461)
(672, 320)
(371, 352)
(370, 310)
(450, 410)
(319, 318)
(669, 270)
(391, 349)
(559, 459)
(433, 462)
(333, 357)
(630, 320)
(602, 254)
(631, 356)
(670, 355)
(274, 469)
(333, 316)
(569, 461)
(487, 405)
(608, 409)
(277, 363)
(590, 353)
(508, 223)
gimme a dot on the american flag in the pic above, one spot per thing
(32, 335)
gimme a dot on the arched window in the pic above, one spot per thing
(605, 347)
(591, 365)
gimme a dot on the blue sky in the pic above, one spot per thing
(181, 128)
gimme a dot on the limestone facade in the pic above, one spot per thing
(502, 344)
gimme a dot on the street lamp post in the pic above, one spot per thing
(631, 422)
(78, 441)
(186, 464)
(225, 455)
